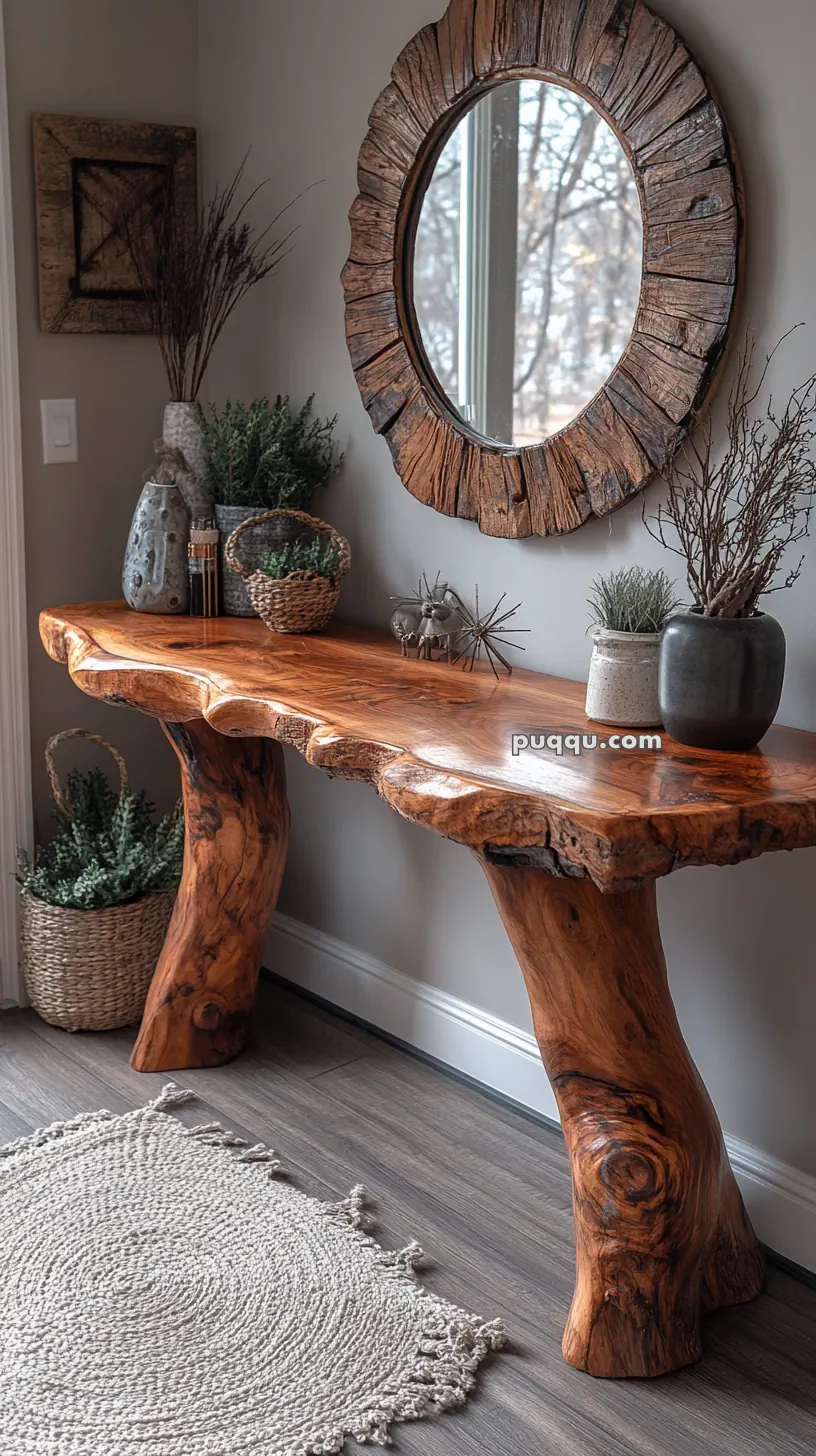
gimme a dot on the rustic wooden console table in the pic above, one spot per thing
(571, 847)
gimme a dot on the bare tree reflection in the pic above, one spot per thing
(579, 250)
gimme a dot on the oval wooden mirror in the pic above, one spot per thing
(545, 259)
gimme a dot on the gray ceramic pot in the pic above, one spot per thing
(253, 547)
(721, 678)
(154, 575)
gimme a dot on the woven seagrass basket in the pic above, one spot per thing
(302, 601)
(89, 970)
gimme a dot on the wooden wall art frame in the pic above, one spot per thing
(87, 283)
(637, 73)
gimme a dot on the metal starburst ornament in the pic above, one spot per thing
(485, 633)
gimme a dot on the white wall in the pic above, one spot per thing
(296, 80)
(136, 60)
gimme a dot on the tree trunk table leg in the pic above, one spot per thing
(199, 1007)
(660, 1228)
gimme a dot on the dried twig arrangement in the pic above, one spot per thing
(483, 633)
(734, 518)
(194, 277)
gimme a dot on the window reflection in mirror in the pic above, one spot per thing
(528, 261)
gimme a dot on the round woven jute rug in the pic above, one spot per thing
(162, 1293)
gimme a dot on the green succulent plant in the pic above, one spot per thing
(267, 455)
(108, 849)
(317, 556)
(633, 600)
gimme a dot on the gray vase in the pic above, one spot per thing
(154, 576)
(182, 429)
(252, 549)
(721, 678)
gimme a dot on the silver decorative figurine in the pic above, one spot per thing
(429, 621)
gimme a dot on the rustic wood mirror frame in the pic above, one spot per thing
(635, 70)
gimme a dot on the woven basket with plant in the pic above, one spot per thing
(297, 588)
(97, 900)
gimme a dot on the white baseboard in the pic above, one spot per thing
(780, 1199)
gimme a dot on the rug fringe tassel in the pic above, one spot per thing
(213, 1135)
(170, 1096)
(351, 1210)
(443, 1377)
(406, 1260)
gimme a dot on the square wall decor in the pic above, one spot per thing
(96, 182)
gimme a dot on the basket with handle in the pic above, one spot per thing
(302, 601)
(89, 970)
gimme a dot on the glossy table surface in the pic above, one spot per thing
(438, 742)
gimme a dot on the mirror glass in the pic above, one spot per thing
(527, 262)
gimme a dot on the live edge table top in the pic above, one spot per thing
(436, 743)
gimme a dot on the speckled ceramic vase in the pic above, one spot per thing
(623, 679)
(182, 429)
(154, 576)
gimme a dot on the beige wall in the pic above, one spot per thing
(132, 59)
(296, 79)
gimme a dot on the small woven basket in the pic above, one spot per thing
(301, 602)
(89, 970)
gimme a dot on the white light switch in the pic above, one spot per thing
(59, 431)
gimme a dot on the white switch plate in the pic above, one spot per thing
(59, 431)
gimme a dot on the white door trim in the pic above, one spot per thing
(15, 747)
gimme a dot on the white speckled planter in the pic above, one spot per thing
(623, 679)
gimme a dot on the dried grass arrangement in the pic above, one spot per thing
(193, 278)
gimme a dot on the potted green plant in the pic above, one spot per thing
(732, 515)
(629, 609)
(296, 587)
(259, 457)
(96, 900)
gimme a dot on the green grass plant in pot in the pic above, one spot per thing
(732, 515)
(264, 456)
(629, 608)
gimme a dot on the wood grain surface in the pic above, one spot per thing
(661, 1232)
(199, 1008)
(660, 1229)
(436, 743)
(634, 69)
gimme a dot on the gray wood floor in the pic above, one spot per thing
(486, 1192)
